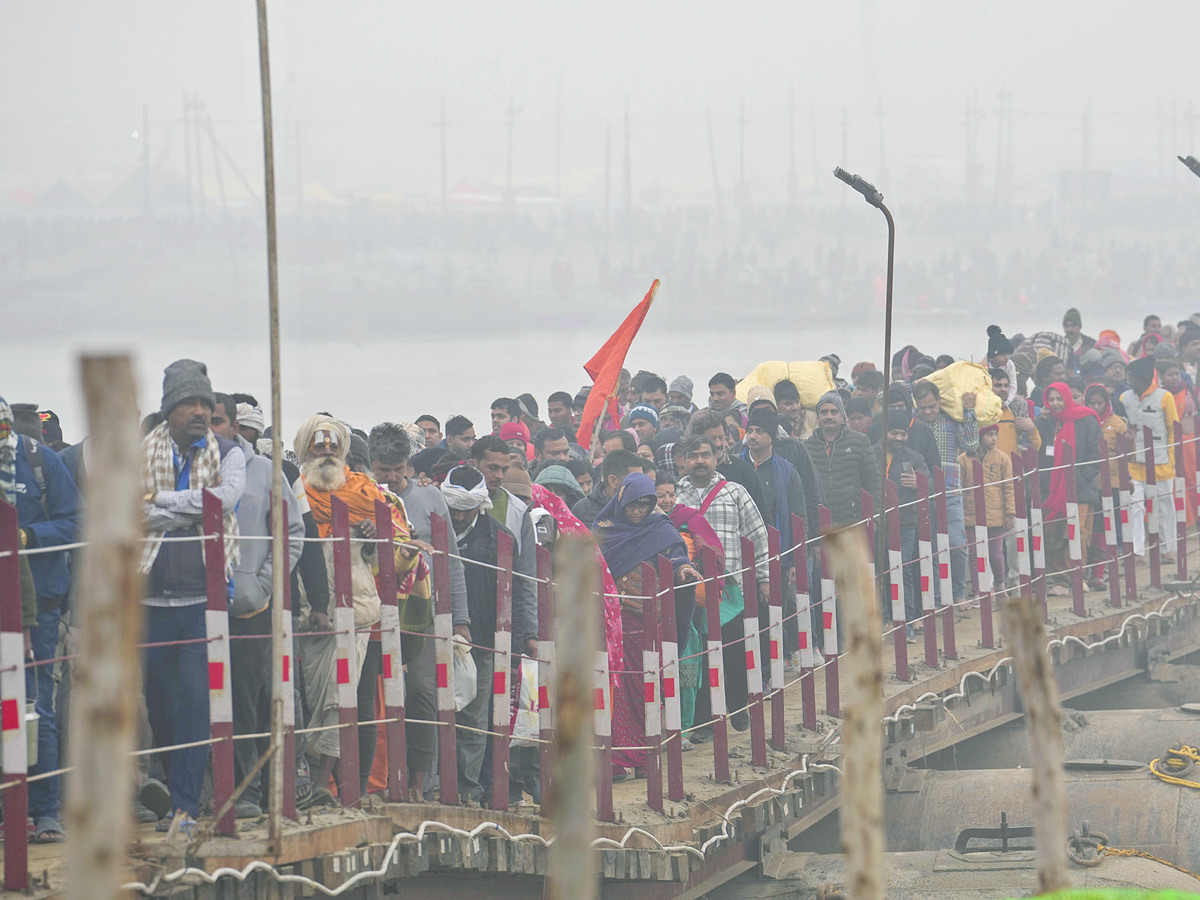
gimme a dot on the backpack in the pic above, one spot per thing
(33, 456)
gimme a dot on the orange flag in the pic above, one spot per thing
(605, 370)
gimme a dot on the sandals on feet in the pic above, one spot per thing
(48, 830)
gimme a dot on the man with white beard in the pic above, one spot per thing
(322, 445)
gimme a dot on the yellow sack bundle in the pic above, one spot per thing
(812, 379)
(965, 378)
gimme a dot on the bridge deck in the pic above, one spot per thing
(661, 858)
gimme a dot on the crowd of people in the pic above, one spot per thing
(669, 472)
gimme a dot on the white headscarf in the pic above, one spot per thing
(463, 498)
(251, 417)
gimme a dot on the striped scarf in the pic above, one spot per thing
(8, 456)
(158, 474)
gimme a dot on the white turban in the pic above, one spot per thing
(304, 437)
(464, 498)
(251, 417)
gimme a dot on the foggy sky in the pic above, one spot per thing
(365, 79)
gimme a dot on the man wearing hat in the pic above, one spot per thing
(251, 423)
(845, 462)
(643, 419)
(181, 459)
(1149, 406)
(783, 494)
(1076, 340)
(680, 393)
(999, 356)
(529, 413)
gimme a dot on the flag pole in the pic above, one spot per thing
(600, 368)
(596, 430)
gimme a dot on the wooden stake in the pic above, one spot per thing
(279, 559)
(1043, 724)
(572, 858)
(862, 812)
(106, 677)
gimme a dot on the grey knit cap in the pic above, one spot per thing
(1108, 357)
(682, 385)
(186, 379)
(835, 398)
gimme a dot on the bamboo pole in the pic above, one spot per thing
(1043, 725)
(279, 558)
(572, 857)
(106, 677)
(862, 811)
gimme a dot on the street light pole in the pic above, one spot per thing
(1192, 163)
(871, 195)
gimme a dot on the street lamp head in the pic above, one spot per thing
(1192, 163)
(868, 190)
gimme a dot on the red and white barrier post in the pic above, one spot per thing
(220, 695)
(545, 592)
(1110, 526)
(1151, 494)
(833, 693)
(1181, 568)
(13, 746)
(754, 675)
(602, 723)
(1125, 515)
(650, 689)
(289, 695)
(925, 562)
(775, 638)
(1037, 529)
(346, 664)
(1074, 532)
(668, 638)
(981, 573)
(895, 577)
(501, 671)
(716, 668)
(943, 565)
(443, 634)
(807, 660)
(1021, 524)
(392, 657)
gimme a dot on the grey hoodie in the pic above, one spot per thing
(253, 576)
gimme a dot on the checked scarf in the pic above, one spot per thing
(8, 456)
(158, 474)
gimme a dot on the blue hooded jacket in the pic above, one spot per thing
(49, 525)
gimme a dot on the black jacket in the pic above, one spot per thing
(845, 467)
(479, 544)
(589, 507)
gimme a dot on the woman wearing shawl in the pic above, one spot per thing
(630, 532)
(1064, 423)
(545, 499)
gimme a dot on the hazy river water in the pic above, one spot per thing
(377, 379)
